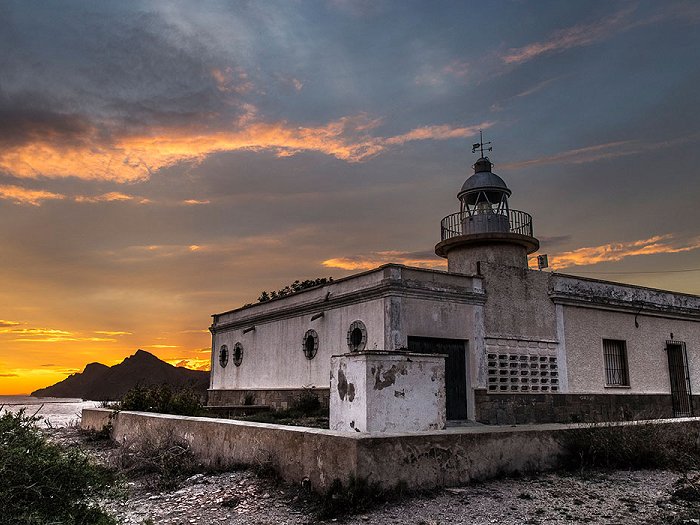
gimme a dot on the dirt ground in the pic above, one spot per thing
(243, 497)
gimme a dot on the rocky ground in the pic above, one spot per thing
(243, 497)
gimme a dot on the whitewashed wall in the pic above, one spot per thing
(585, 329)
(273, 354)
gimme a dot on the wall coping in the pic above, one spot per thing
(476, 429)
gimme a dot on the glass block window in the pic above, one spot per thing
(615, 356)
(513, 372)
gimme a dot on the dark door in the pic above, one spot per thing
(455, 370)
(680, 379)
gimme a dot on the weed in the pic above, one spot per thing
(647, 445)
(161, 461)
(249, 398)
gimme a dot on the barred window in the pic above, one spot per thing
(615, 355)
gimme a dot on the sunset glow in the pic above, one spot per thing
(149, 181)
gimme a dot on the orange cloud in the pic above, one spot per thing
(194, 202)
(374, 259)
(21, 195)
(617, 251)
(194, 363)
(46, 335)
(230, 80)
(113, 196)
(127, 158)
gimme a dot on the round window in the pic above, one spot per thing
(223, 356)
(237, 354)
(310, 344)
(357, 336)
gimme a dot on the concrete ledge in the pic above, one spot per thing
(453, 456)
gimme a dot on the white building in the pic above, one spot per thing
(522, 345)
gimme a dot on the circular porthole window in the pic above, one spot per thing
(310, 344)
(237, 354)
(357, 336)
(223, 356)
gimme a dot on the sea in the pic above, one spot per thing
(54, 411)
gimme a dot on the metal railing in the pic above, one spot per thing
(511, 221)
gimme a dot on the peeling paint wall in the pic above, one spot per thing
(387, 392)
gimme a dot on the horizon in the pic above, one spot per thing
(160, 163)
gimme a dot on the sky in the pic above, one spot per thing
(164, 161)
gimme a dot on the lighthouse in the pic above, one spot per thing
(485, 229)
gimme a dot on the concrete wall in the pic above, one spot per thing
(392, 301)
(585, 329)
(387, 392)
(420, 459)
(518, 304)
(273, 354)
(464, 259)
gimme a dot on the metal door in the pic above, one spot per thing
(455, 370)
(680, 378)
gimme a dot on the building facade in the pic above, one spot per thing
(521, 345)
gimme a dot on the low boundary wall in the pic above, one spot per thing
(420, 459)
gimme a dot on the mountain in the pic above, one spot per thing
(99, 382)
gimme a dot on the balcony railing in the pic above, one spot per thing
(461, 223)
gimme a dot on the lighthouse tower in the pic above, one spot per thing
(485, 229)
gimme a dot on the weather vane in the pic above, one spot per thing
(480, 145)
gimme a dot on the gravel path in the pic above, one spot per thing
(640, 497)
(241, 497)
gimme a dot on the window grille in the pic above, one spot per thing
(616, 370)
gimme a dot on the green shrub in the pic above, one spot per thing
(42, 482)
(162, 399)
(307, 403)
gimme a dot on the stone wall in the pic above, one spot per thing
(277, 399)
(518, 409)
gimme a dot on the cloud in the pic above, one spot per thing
(457, 68)
(48, 335)
(574, 36)
(195, 202)
(193, 363)
(232, 80)
(113, 196)
(24, 196)
(617, 251)
(162, 346)
(598, 152)
(9, 375)
(128, 158)
(423, 259)
(5, 323)
(108, 332)
(537, 87)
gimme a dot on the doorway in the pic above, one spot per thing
(455, 370)
(680, 379)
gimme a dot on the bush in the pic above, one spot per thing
(648, 445)
(160, 461)
(161, 399)
(42, 482)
